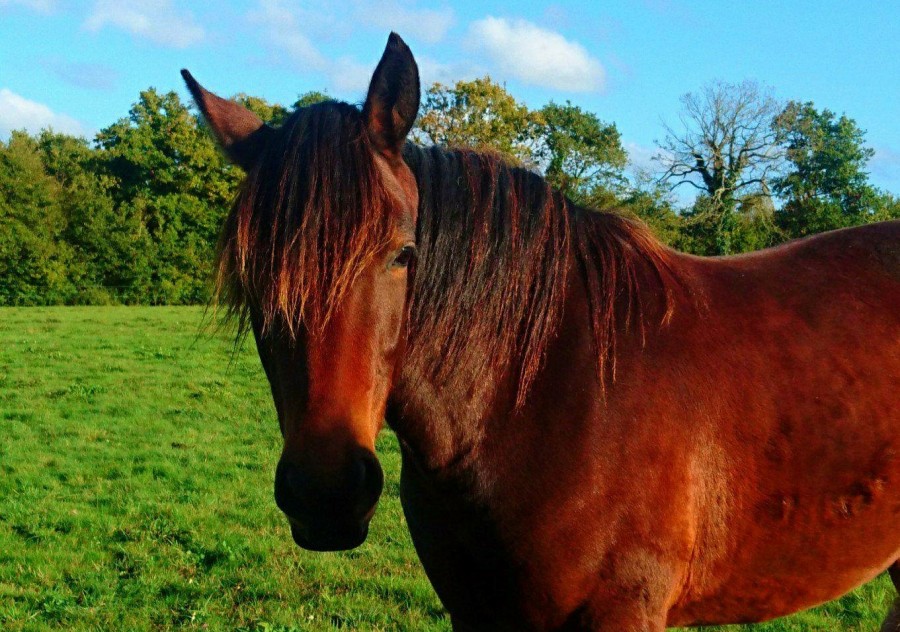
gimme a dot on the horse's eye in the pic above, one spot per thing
(404, 257)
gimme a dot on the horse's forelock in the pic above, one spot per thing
(309, 217)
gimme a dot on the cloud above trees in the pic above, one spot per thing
(155, 20)
(428, 25)
(507, 49)
(17, 112)
(536, 56)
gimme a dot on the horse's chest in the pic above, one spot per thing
(498, 576)
(474, 572)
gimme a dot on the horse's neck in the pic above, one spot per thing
(447, 428)
(441, 425)
(485, 295)
(602, 262)
(454, 432)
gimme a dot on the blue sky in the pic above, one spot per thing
(79, 65)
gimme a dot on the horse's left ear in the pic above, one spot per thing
(393, 100)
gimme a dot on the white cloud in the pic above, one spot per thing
(886, 162)
(431, 71)
(41, 6)
(641, 156)
(83, 75)
(536, 56)
(428, 25)
(17, 112)
(348, 76)
(285, 35)
(155, 20)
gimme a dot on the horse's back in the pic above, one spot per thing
(863, 256)
(835, 294)
(878, 243)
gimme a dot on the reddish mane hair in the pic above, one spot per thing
(495, 249)
(496, 243)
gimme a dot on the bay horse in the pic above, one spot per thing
(597, 432)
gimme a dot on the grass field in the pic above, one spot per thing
(136, 458)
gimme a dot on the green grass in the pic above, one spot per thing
(136, 459)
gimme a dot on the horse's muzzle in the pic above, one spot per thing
(333, 514)
(341, 539)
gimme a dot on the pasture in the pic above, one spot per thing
(136, 459)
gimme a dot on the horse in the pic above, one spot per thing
(597, 432)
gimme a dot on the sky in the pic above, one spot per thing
(78, 65)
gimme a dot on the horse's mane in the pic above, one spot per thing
(495, 247)
(496, 243)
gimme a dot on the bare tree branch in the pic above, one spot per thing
(726, 146)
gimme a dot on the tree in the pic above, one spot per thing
(271, 113)
(826, 185)
(652, 203)
(160, 149)
(275, 113)
(578, 153)
(174, 186)
(727, 149)
(482, 115)
(584, 156)
(750, 226)
(311, 98)
(886, 206)
(33, 258)
(95, 232)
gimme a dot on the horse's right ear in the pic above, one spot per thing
(393, 100)
(240, 133)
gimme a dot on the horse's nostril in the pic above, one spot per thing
(352, 494)
(294, 479)
(372, 479)
(288, 488)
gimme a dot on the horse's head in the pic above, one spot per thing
(316, 257)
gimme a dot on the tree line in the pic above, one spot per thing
(133, 215)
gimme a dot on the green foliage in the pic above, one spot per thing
(93, 229)
(136, 494)
(651, 202)
(174, 185)
(585, 156)
(274, 113)
(271, 113)
(33, 258)
(482, 115)
(578, 153)
(885, 206)
(826, 186)
(707, 230)
(311, 98)
(134, 219)
(159, 149)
